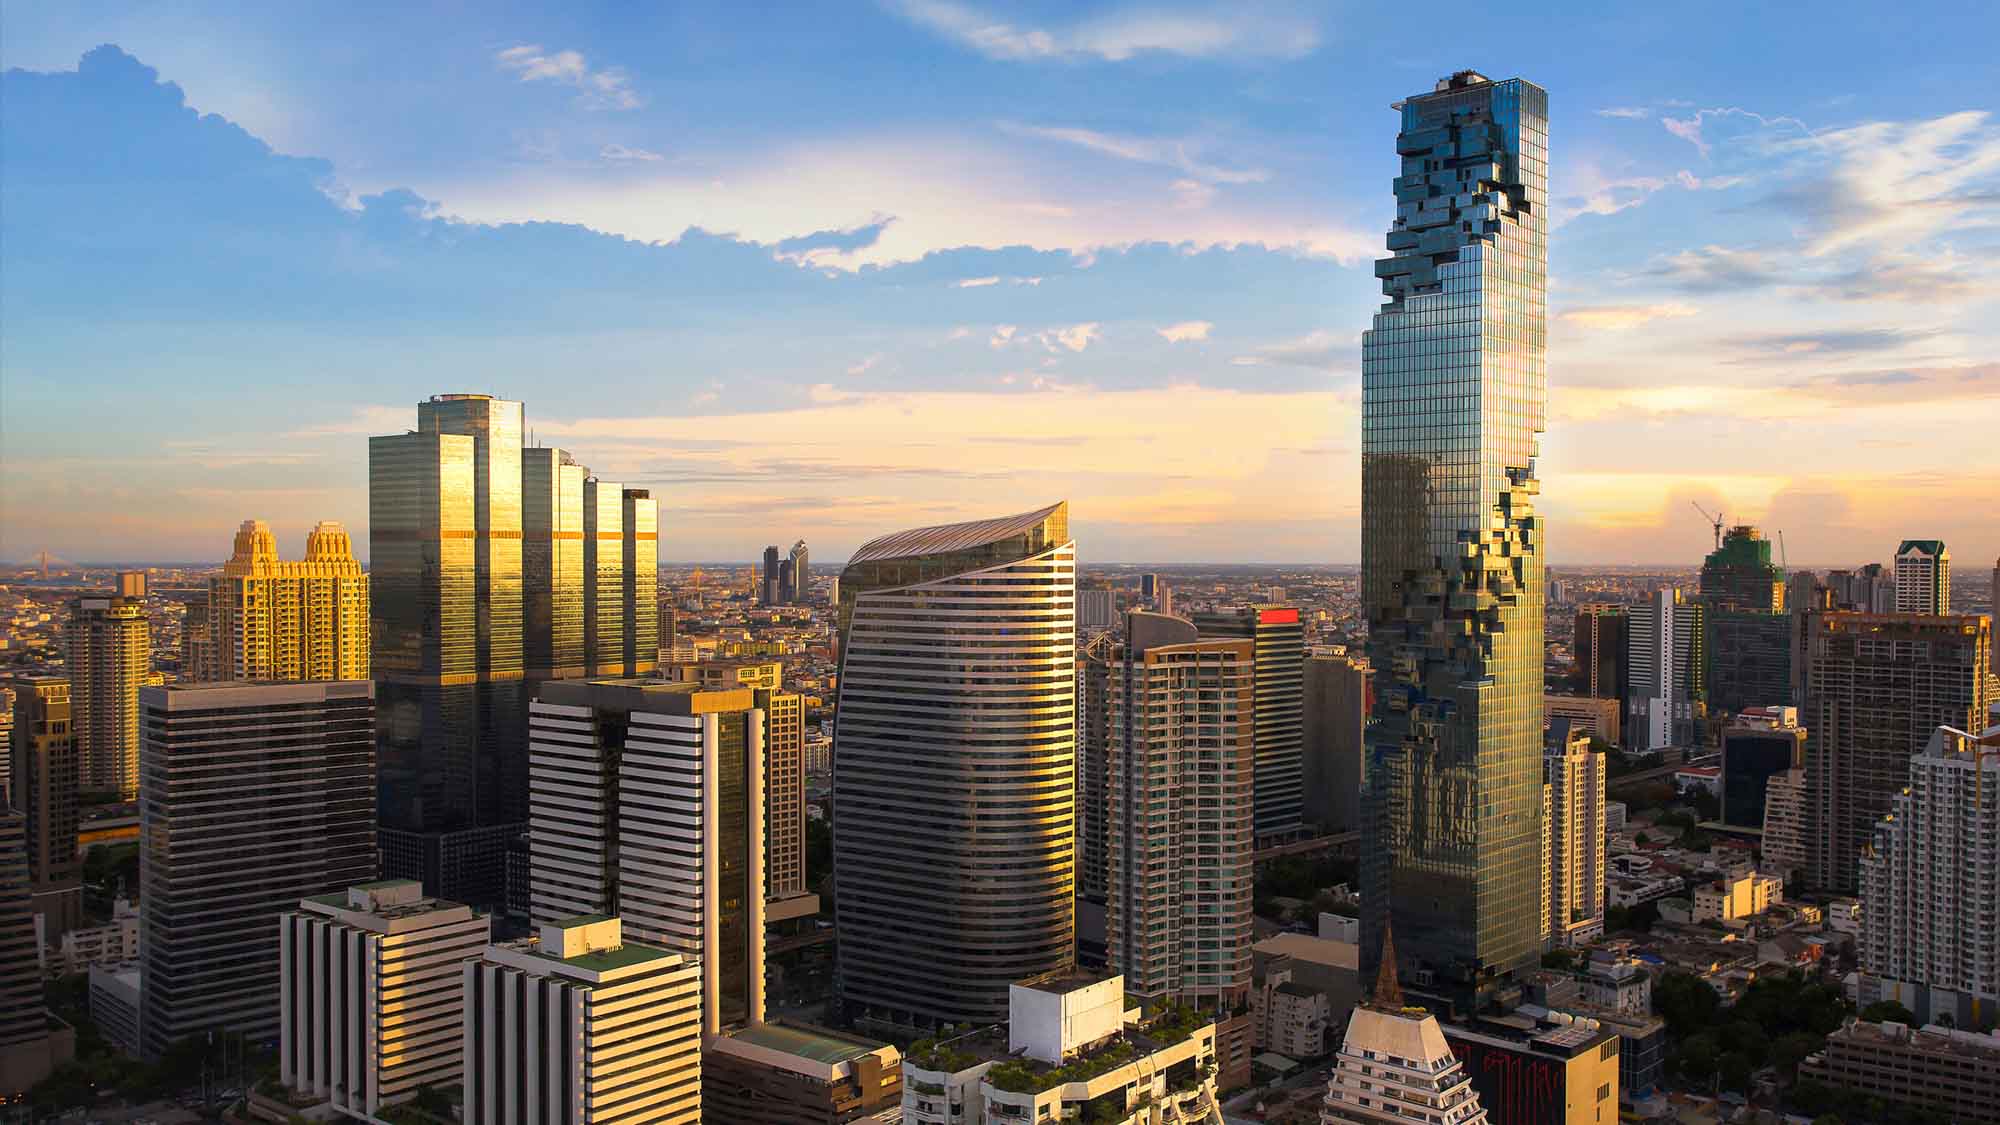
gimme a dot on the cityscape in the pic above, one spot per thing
(485, 759)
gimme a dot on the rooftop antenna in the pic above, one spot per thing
(1714, 518)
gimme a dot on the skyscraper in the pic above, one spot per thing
(1930, 885)
(272, 620)
(110, 655)
(801, 572)
(1093, 810)
(1279, 642)
(1573, 778)
(1599, 647)
(784, 774)
(45, 785)
(767, 590)
(1923, 577)
(1337, 690)
(1758, 745)
(1739, 574)
(954, 754)
(639, 581)
(1453, 383)
(1179, 781)
(1749, 636)
(1877, 687)
(254, 796)
(1665, 651)
(552, 564)
(604, 578)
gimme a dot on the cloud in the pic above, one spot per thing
(625, 154)
(864, 366)
(1893, 185)
(1078, 336)
(1630, 112)
(1690, 128)
(976, 282)
(1762, 347)
(1243, 31)
(1185, 331)
(607, 88)
(1606, 195)
(1717, 269)
(1318, 351)
(1621, 318)
(1906, 385)
(827, 248)
(1175, 154)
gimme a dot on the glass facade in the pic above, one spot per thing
(639, 578)
(552, 563)
(604, 578)
(1279, 789)
(1454, 381)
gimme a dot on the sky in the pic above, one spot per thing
(832, 270)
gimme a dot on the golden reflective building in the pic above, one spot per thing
(269, 619)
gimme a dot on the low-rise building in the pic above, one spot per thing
(113, 943)
(1289, 1018)
(1617, 984)
(114, 1004)
(1330, 968)
(1955, 1074)
(1699, 777)
(1599, 717)
(1735, 897)
(789, 1074)
(1071, 1050)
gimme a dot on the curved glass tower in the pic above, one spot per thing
(1453, 383)
(953, 765)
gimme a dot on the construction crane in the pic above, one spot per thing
(1782, 560)
(1714, 518)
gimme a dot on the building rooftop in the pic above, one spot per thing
(956, 536)
(816, 1044)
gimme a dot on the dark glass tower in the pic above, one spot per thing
(1280, 645)
(1453, 383)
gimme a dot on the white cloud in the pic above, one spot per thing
(1629, 112)
(622, 154)
(1319, 351)
(1078, 336)
(1243, 31)
(1002, 335)
(606, 88)
(976, 282)
(1621, 318)
(1175, 154)
(1690, 129)
(1186, 330)
(864, 366)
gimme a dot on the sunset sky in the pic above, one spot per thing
(833, 270)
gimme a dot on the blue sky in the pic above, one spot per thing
(830, 270)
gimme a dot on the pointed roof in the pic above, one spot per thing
(1388, 990)
(964, 536)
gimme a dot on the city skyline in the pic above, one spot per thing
(1147, 302)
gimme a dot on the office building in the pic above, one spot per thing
(1598, 646)
(1573, 778)
(1942, 1074)
(1749, 636)
(271, 620)
(1563, 1071)
(1786, 848)
(1930, 885)
(1338, 688)
(639, 582)
(253, 796)
(1093, 809)
(110, 657)
(933, 754)
(1665, 652)
(790, 1074)
(371, 993)
(32, 1043)
(1865, 589)
(1877, 687)
(114, 1005)
(604, 578)
(1757, 745)
(784, 774)
(796, 574)
(1923, 577)
(7, 746)
(1453, 386)
(582, 1027)
(1740, 575)
(551, 564)
(1278, 641)
(647, 802)
(767, 590)
(1596, 717)
(1096, 609)
(1178, 783)
(47, 775)
(1288, 1018)
(1070, 1050)
(1395, 1063)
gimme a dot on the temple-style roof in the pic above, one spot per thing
(958, 536)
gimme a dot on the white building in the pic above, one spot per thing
(370, 1001)
(114, 1004)
(1930, 885)
(1663, 653)
(1923, 577)
(1072, 1050)
(1289, 1018)
(580, 1027)
(1617, 984)
(1394, 1067)
(1573, 841)
(1787, 834)
(113, 943)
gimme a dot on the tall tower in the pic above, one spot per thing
(273, 620)
(110, 654)
(1923, 577)
(953, 767)
(639, 581)
(801, 570)
(1453, 382)
(552, 563)
(44, 789)
(1574, 778)
(1279, 644)
(767, 589)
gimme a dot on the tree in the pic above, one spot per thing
(1733, 1072)
(1790, 1050)
(1563, 959)
(1686, 1002)
(1888, 1011)
(1696, 1060)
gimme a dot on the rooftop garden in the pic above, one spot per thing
(1027, 1076)
(929, 1054)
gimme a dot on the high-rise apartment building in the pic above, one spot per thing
(551, 564)
(1453, 386)
(1923, 577)
(1877, 686)
(1278, 639)
(1573, 825)
(1930, 885)
(1338, 686)
(767, 590)
(1666, 653)
(47, 776)
(1786, 850)
(648, 803)
(1758, 744)
(1599, 646)
(1749, 636)
(954, 763)
(1865, 589)
(1096, 609)
(253, 796)
(273, 620)
(1094, 666)
(796, 573)
(110, 656)
(1178, 772)
(371, 993)
(582, 1027)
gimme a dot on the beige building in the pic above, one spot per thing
(1954, 1074)
(110, 659)
(1289, 1018)
(1739, 897)
(1597, 716)
(1787, 847)
(273, 620)
(1573, 868)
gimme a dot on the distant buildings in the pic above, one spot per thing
(1599, 646)
(1923, 577)
(1665, 655)
(1749, 643)
(253, 796)
(768, 589)
(1278, 648)
(110, 657)
(47, 771)
(582, 1025)
(272, 620)
(1930, 885)
(1573, 779)
(1759, 744)
(1338, 696)
(1453, 386)
(1877, 686)
(939, 909)
(371, 997)
(1096, 609)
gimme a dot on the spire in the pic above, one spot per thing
(1388, 990)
